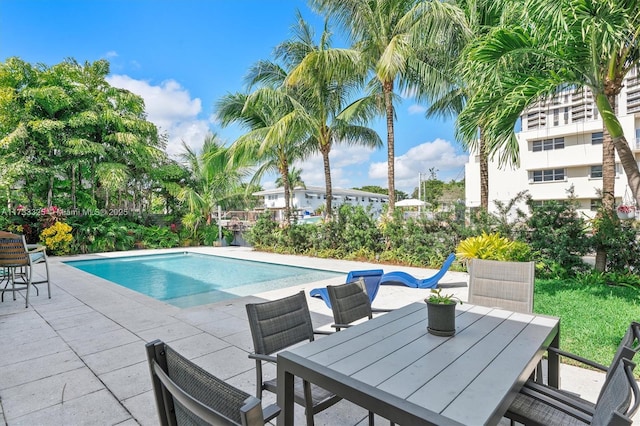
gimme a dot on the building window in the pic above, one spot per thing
(547, 175)
(596, 172)
(595, 204)
(596, 138)
(556, 116)
(547, 144)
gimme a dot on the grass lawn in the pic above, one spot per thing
(593, 316)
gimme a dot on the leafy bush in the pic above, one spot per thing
(620, 241)
(557, 235)
(494, 247)
(97, 234)
(57, 238)
(159, 237)
(263, 235)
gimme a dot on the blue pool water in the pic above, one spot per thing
(190, 279)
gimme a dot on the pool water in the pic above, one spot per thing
(191, 279)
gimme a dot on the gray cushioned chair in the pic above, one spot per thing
(507, 285)
(188, 395)
(277, 325)
(349, 303)
(628, 347)
(617, 402)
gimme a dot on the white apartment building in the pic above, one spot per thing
(561, 145)
(307, 201)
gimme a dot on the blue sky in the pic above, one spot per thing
(182, 56)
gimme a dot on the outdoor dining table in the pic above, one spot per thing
(392, 366)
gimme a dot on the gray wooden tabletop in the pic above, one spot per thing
(392, 366)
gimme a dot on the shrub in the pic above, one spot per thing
(557, 235)
(493, 247)
(619, 240)
(159, 237)
(57, 238)
(97, 234)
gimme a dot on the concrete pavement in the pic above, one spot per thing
(79, 357)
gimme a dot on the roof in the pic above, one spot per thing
(321, 190)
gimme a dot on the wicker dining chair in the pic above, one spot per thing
(15, 262)
(276, 325)
(186, 394)
(617, 402)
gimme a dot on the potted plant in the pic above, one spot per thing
(626, 211)
(441, 313)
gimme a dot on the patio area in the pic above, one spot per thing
(79, 357)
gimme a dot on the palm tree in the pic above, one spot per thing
(323, 78)
(480, 16)
(295, 181)
(274, 138)
(390, 34)
(214, 177)
(558, 45)
(562, 44)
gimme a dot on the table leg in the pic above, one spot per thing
(553, 362)
(285, 395)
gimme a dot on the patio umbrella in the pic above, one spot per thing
(410, 202)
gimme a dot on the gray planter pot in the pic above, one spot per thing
(441, 319)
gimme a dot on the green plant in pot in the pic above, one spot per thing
(441, 313)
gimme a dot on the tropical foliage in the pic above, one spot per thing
(68, 138)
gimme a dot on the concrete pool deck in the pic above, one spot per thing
(79, 357)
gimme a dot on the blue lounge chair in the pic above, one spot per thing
(399, 277)
(371, 279)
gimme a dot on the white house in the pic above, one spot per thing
(561, 145)
(306, 201)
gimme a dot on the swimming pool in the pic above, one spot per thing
(191, 279)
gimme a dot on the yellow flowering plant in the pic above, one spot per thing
(57, 238)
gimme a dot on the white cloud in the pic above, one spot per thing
(170, 107)
(438, 154)
(417, 109)
(348, 167)
(111, 54)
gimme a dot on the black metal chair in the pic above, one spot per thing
(617, 402)
(188, 395)
(277, 325)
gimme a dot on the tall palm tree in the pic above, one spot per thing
(480, 16)
(274, 137)
(558, 44)
(295, 181)
(390, 33)
(323, 79)
(213, 179)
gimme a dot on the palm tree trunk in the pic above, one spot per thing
(73, 186)
(284, 172)
(484, 174)
(388, 103)
(625, 154)
(608, 184)
(50, 192)
(325, 148)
